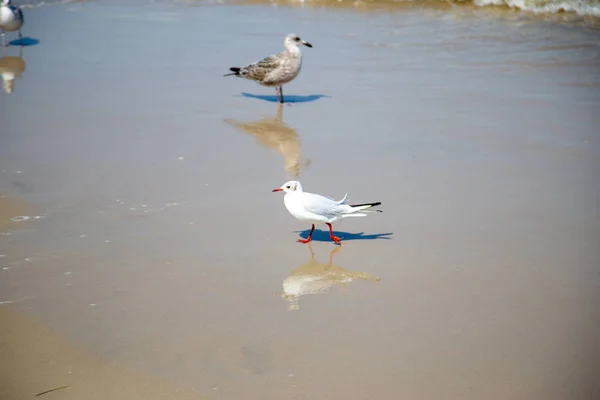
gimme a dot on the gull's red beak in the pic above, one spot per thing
(278, 190)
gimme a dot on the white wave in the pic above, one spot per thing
(581, 7)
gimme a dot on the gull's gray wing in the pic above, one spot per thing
(321, 205)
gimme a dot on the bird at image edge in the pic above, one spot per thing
(11, 19)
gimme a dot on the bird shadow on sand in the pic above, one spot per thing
(323, 236)
(24, 41)
(286, 98)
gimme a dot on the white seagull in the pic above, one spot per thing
(11, 19)
(278, 69)
(318, 209)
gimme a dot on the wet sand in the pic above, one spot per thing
(14, 213)
(37, 362)
(161, 264)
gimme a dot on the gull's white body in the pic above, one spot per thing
(315, 208)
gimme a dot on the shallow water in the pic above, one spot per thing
(163, 251)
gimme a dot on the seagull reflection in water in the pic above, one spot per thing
(11, 68)
(315, 277)
(274, 134)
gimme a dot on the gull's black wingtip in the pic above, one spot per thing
(368, 204)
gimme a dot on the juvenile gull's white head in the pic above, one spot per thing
(293, 41)
(5, 2)
(290, 187)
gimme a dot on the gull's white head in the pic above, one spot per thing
(5, 2)
(292, 40)
(290, 187)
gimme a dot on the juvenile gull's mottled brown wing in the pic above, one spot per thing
(259, 71)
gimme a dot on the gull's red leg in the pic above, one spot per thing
(309, 236)
(334, 238)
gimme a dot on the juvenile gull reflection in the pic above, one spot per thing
(273, 133)
(11, 68)
(315, 277)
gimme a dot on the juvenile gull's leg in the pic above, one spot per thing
(279, 91)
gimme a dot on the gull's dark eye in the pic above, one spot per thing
(296, 38)
(288, 187)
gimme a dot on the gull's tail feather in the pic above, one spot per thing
(359, 207)
(353, 210)
(344, 200)
(236, 71)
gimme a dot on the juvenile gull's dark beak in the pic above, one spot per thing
(306, 44)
